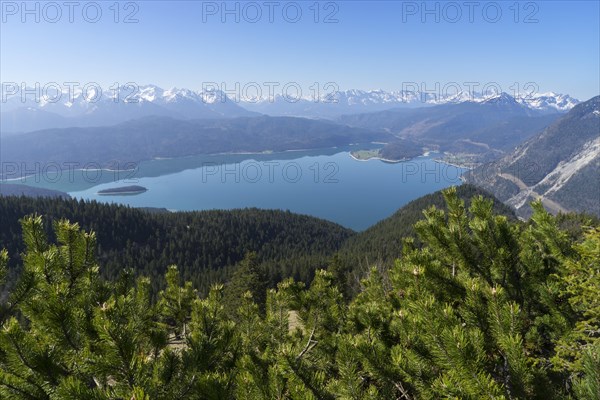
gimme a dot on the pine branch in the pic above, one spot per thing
(309, 345)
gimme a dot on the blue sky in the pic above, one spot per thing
(372, 45)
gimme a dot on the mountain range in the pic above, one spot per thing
(560, 165)
(481, 130)
(333, 105)
(25, 113)
(111, 107)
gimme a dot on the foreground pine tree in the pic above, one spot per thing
(483, 309)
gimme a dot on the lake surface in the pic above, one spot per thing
(329, 183)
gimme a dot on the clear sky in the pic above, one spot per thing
(355, 44)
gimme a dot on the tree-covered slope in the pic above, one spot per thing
(13, 189)
(209, 245)
(485, 309)
(205, 245)
(382, 242)
(152, 137)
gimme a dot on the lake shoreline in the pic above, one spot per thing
(379, 158)
(457, 165)
(158, 158)
(325, 184)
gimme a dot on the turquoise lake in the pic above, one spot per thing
(328, 184)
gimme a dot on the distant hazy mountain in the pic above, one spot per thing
(154, 137)
(113, 107)
(333, 105)
(561, 165)
(62, 110)
(11, 189)
(486, 128)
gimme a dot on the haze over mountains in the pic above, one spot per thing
(163, 137)
(484, 128)
(25, 113)
(335, 104)
(36, 109)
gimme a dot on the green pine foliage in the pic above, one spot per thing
(249, 276)
(478, 307)
(382, 243)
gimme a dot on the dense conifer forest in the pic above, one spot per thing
(205, 245)
(476, 305)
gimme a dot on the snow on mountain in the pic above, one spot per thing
(67, 98)
(344, 101)
(504, 99)
(66, 107)
(114, 105)
(550, 102)
(334, 104)
(149, 93)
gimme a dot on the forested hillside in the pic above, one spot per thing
(160, 137)
(485, 309)
(205, 245)
(381, 243)
(9, 189)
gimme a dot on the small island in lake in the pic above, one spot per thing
(124, 190)
(397, 151)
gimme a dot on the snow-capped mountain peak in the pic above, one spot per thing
(149, 93)
(503, 99)
(549, 101)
